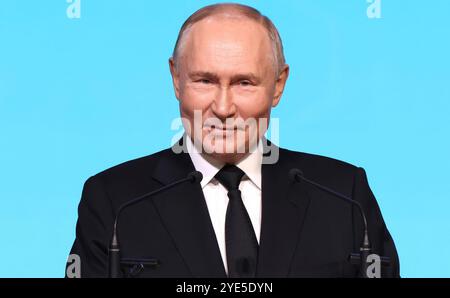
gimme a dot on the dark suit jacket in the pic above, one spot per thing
(305, 232)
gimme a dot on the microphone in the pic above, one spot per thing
(114, 247)
(297, 175)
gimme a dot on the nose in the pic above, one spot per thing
(223, 105)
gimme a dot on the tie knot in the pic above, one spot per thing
(230, 176)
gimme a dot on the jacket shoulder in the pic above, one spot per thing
(323, 169)
(132, 169)
(315, 160)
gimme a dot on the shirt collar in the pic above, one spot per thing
(251, 164)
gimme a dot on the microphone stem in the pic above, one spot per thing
(114, 255)
(347, 199)
(365, 249)
(114, 270)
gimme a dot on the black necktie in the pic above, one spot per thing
(240, 239)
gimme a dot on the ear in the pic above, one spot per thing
(279, 85)
(175, 78)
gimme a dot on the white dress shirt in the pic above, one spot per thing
(216, 194)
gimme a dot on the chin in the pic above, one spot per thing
(217, 150)
(223, 147)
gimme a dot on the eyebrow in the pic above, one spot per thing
(203, 74)
(241, 76)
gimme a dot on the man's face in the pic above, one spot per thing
(226, 72)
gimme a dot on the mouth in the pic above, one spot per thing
(221, 131)
(212, 127)
(219, 127)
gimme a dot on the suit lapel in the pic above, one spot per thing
(284, 206)
(184, 213)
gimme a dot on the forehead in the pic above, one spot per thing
(227, 41)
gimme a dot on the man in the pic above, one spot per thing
(246, 218)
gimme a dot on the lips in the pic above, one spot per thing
(218, 132)
(221, 130)
(211, 127)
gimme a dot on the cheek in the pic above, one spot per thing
(193, 99)
(255, 105)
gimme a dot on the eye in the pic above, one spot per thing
(204, 81)
(245, 83)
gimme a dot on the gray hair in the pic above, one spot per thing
(234, 10)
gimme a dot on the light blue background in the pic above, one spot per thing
(80, 95)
